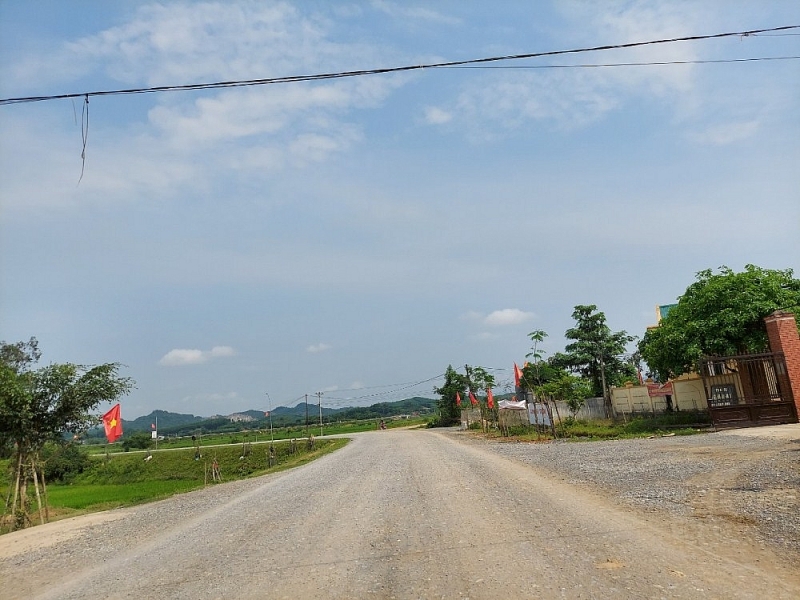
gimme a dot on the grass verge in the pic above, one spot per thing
(683, 423)
(127, 479)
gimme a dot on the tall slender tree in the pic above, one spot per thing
(596, 352)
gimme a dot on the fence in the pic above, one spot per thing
(688, 394)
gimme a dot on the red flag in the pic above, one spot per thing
(152, 425)
(517, 375)
(458, 399)
(489, 398)
(112, 421)
(473, 399)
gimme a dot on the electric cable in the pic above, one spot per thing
(358, 73)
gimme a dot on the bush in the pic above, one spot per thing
(64, 463)
(141, 440)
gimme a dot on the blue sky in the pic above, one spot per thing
(239, 248)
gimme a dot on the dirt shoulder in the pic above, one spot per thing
(739, 487)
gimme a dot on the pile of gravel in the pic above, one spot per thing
(759, 476)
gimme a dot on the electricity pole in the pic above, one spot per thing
(272, 439)
(306, 415)
(319, 402)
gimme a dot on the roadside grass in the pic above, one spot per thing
(682, 423)
(263, 435)
(127, 479)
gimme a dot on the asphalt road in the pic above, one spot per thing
(395, 514)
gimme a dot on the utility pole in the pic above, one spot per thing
(319, 403)
(306, 415)
(272, 439)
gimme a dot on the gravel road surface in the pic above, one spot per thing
(427, 514)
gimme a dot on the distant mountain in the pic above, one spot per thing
(282, 416)
(165, 420)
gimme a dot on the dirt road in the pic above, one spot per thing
(395, 514)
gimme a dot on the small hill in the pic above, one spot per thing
(165, 419)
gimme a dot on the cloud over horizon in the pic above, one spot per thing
(181, 356)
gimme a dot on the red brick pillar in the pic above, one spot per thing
(783, 337)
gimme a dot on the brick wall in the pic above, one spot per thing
(783, 337)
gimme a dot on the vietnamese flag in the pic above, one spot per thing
(112, 421)
(458, 399)
(517, 375)
(473, 399)
(489, 398)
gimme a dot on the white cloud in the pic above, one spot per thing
(316, 348)
(183, 356)
(436, 116)
(217, 351)
(402, 10)
(508, 316)
(505, 102)
(728, 133)
(190, 141)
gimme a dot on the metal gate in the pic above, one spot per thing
(748, 390)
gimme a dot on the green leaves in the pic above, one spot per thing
(40, 405)
(596, 350)
(719, 314)
(454, 383)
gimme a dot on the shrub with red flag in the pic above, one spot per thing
(473, 399)
(458, 399)
(489, 398)
(112, 421)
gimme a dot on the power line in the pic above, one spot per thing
(631, 64)
(345, 74)
(387, 392)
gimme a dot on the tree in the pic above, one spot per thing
(596, 352)
(719, 314)
(570, 389)
(478, 378)
(40, 406)
(449, 412)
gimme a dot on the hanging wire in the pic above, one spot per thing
(84, 133)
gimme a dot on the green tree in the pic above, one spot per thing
(571, 389)
(719, 314)
(597, 353)
(449, 412)
(478, 379)
(40, 406)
